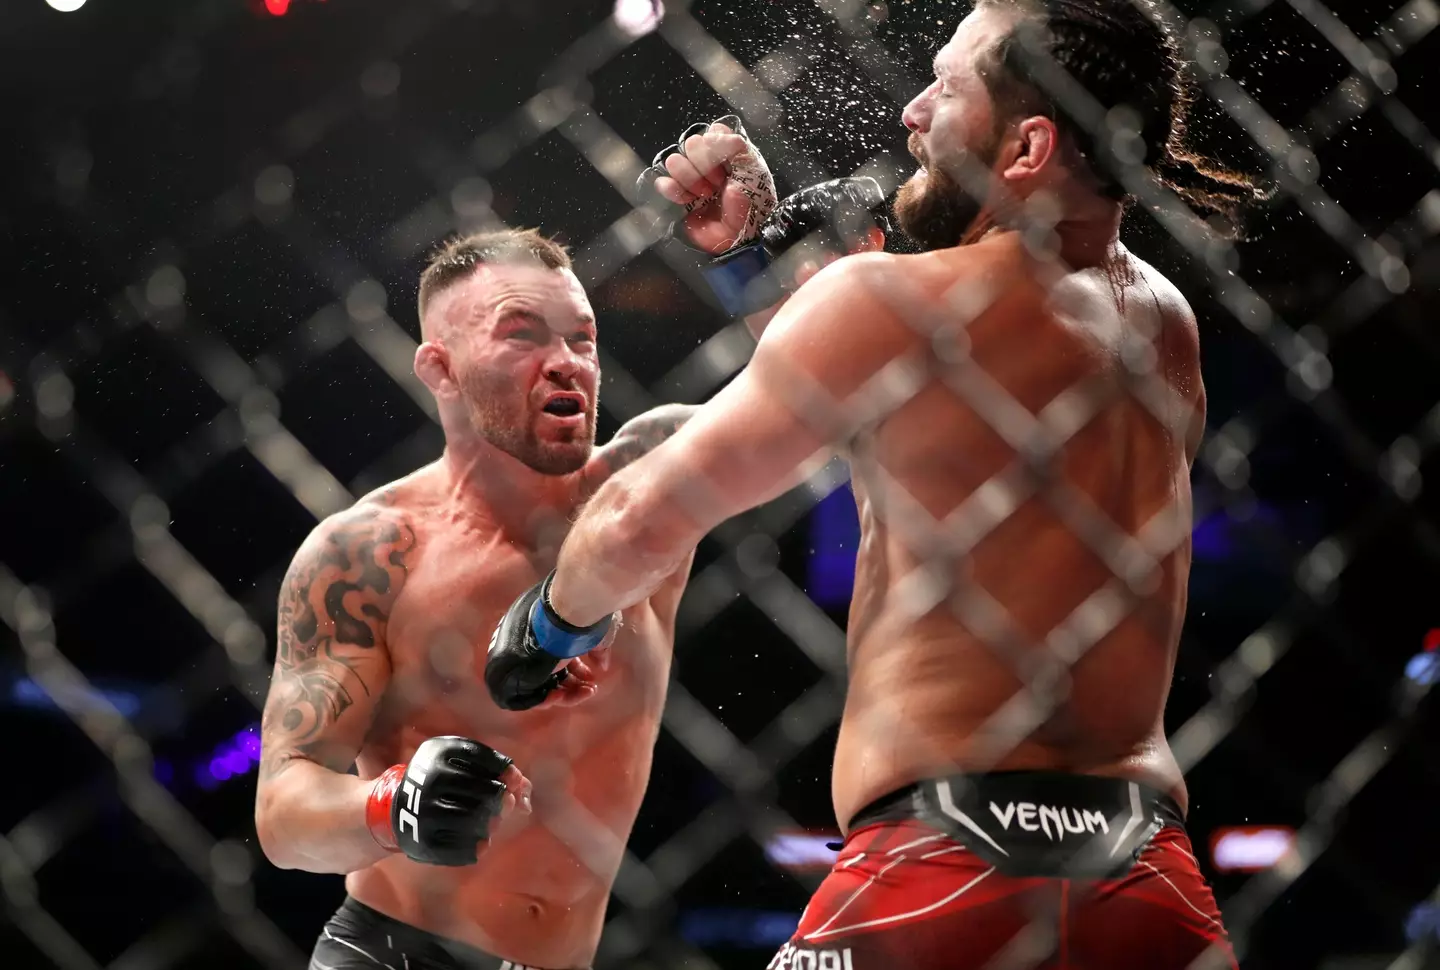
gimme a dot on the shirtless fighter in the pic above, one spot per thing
(386, 610)
(383, 613)
(1002, 773)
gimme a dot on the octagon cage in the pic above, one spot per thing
(215, 216)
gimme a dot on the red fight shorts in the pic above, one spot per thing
(904, 896)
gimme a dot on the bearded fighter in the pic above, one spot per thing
(1021, 405)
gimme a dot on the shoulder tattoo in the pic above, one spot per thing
(334, 608)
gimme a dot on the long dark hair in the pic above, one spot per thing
(1120, 52)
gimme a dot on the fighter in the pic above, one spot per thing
(469, 837)
(1021, 405)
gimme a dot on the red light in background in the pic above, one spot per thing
(1250, 848)
(277, 7)
(1432, 640)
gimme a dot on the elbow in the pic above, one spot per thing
(268, 829)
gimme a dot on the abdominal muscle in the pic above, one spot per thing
(528, 899)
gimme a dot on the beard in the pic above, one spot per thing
(502, 415)
(933, 209)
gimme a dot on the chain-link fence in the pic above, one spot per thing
(231, 372)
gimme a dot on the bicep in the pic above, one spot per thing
(811, 380)
(331, 660)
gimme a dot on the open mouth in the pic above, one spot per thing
(564, 405)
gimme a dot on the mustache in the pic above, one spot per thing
(917, 149)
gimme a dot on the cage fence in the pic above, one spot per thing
(242, 379)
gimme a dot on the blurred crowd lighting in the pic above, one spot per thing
(801, 851)
(232, 758)
(636, 18)
(1250, 848)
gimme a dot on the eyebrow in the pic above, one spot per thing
(587, 324)
(522, 312)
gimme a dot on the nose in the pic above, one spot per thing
(564, 365)
(916, 115)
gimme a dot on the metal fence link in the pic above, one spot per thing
(358, 309)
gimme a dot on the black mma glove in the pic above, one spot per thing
(531, 640)
(438, 808)
(848, 206)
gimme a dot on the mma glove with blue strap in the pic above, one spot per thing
(738, 277)
(530, 642)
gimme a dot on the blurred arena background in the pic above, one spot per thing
(214, 215)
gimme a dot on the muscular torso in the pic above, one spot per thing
(538, 892)
(942, 650)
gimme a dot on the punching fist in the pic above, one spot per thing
(529, 646)
(844, 215)
(721, 179)
(438, 808)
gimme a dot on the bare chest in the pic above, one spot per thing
(438, 639)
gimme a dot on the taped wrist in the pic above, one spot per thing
(558, 637)
(379, 804)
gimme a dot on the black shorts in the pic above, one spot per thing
(359, 938)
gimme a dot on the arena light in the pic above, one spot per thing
(232, 758)
(834, 540)
(277, 7)
(1423, 923)
(636, 18)
(25, 692)
(66, 6)
(1250, 848)
(1423, 669)
(801, 851)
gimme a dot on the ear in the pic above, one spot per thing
(1035, 143)
(432, 366)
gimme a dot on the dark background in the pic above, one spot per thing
(213, 221)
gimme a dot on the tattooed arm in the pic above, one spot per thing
(331, 669)
(636, 438)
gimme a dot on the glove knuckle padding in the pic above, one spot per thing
(846, 206)
(449, 797)
(505, 668)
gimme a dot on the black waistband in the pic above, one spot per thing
(1036, 823)
(907, 803)
(377, 935)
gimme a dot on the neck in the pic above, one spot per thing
(1088, 230)
(488, 484)
(1090, 233)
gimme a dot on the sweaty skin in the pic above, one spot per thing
(979, 573)
(923, 686)
(385, 617)
(384, 624)
(925, 690)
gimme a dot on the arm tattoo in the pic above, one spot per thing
(640, 436)
(333, 612)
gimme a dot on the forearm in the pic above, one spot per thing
(628, 541)
(312, 818)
